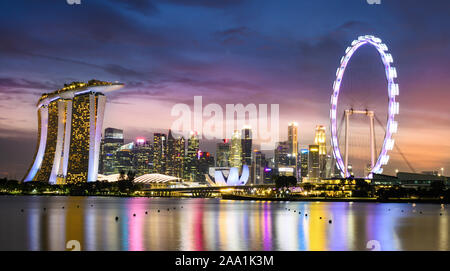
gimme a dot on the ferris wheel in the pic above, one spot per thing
(393, 110)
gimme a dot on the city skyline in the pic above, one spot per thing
(218, 132)
(238, 59)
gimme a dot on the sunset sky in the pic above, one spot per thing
(228, 52)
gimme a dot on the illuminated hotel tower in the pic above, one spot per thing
(69, 132)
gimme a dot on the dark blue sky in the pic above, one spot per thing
(235, 51)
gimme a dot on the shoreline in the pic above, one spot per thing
(253, 198)
(323, 199)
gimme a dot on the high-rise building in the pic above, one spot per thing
(175, 156)
(293, 146)
(191, 162)
(142, 155)
(236, 150)
(246, 142)
(283, 159)
(205, 161)
(304, 153)
(159, 153)
(313, 163)
(125, 158)
(293, 138)
(268, 175)
(180, 154)
(171, 154)
(281, 154)
(223, 152)
(258, 167)
(69, 133)
(320, 139)
(112, 140)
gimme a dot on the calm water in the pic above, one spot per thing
(213, 224)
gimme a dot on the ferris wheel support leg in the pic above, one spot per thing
(347, 113)
(372, 142)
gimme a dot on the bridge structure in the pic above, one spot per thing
(205, 191)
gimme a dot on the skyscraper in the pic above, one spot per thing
(246, 142)
(112, 140)
(205, 161)
(283, 159)
(175, 156)
(191, 163)
(236, 150)
(258, 166)
(85, 140)
(223, 152)
(304, 153)
(313, 163)
(293, 146)
(281, 154)
(293, 138)
(170, 157)
(142, 156)
(180, 154)
(159, 153)
(69, 132)
(320, 140)
(125, 158)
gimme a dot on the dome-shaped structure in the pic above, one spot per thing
(156, 178)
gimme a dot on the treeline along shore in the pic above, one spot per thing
(282, 190)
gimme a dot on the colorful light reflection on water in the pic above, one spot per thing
(213, 224)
